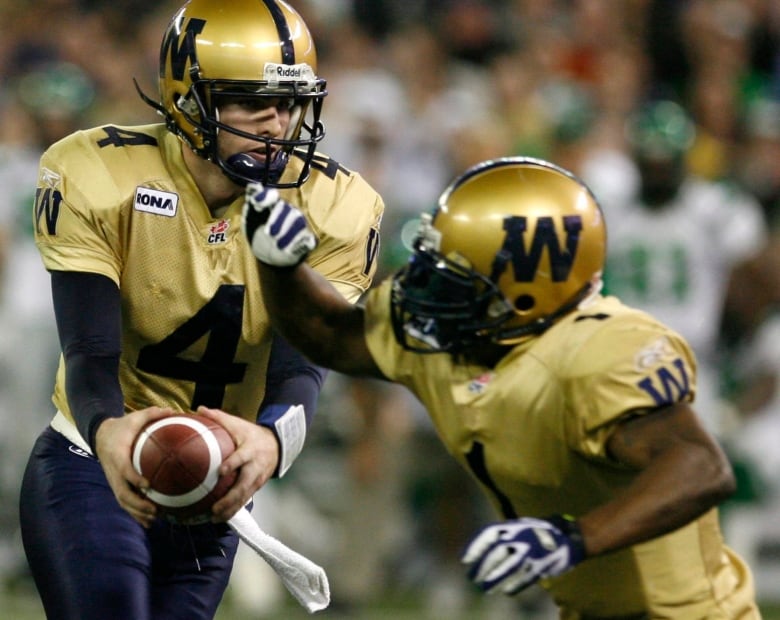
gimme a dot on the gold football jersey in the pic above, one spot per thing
(533, 432)
(119, 201)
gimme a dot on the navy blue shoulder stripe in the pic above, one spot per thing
(283, 28)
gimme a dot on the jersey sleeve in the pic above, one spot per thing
(348, 232)
(74, 225)
(630, 366)
(394, 361)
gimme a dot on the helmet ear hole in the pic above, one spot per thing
(524, 303)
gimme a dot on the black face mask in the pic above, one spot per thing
(440, 306)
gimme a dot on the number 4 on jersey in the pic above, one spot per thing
(220, 319)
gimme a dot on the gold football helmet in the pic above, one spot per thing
(245, 49)
(514, 244)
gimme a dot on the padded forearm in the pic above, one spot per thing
(87, 308)
(292, 388)
(93, 391)
(292, 379)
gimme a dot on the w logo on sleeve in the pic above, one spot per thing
(525, 262)
(47, 209)
(668, 385)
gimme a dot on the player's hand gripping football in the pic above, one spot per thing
(513, 555)
(276, 230)
(113, 447)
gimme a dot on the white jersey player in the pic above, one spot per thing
(673, 243)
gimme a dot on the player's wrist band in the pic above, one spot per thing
(288, 423)
(569, 526)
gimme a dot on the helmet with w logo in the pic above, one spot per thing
(514, 244)
(245, 49)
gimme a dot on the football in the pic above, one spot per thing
(180, 457)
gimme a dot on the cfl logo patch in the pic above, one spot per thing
(218, 232)
(479, 384)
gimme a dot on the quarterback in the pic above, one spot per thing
(159, 308)
(572, 410)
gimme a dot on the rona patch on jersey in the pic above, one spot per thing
(155, 201)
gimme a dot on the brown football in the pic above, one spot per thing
(180, 457)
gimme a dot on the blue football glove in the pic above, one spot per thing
(512, 555)
(276, 230)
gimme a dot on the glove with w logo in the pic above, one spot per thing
(513, 555)
(276, 230)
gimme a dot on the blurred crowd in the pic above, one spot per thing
(418, 91)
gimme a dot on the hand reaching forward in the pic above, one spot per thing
(276, 230)
(513, 555)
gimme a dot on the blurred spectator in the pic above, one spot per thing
(757, 164)
(665, 45)
(751, 521)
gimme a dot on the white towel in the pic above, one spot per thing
(306, 581)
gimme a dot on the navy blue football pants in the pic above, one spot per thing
(92, 561)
